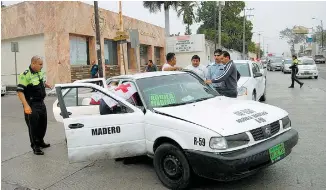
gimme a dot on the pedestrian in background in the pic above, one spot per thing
(171, 61)
(197, 67)
(31, 92)
(228, 79)
(294, 71)
(94, 70)
(215, 69)
(151, 67)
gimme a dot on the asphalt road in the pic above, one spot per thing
(304, 169)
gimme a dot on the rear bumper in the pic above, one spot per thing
(240, 163)
(310, 73)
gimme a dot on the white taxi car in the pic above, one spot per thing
(252, 83)
(307, 68)
(185, 125)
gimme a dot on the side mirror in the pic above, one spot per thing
(265, 66)
(258, 75)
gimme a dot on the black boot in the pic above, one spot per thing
(38, 151)
(44, 145)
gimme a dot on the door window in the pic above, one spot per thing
(86, 96)
(255, 68)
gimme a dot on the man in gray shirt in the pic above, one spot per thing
(228, 79)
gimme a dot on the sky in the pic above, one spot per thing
(270, 17)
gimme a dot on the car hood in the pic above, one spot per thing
(242, 81)
(224, 115)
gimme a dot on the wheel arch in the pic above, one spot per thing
(165, 139)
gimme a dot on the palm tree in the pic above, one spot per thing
(187, 9)
(155, 6)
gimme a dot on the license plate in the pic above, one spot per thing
(306, 72)
(277, 152)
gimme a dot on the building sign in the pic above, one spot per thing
(128, 28)
(184, 46)
(300, 30)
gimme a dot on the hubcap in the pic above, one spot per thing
(172, 167)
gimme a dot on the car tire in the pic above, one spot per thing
(254, 97)
(316, 77)
(172, 167)
(263, 97)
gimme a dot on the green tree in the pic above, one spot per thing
(186, 8)
(2, 5)
(155, 6)
(231, 26)
(317, 36)
(292, 38)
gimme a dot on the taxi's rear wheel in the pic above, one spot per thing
(172, 167)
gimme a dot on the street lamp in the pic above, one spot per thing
(322, 32)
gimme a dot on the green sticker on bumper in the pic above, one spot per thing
(162, 99)
(277, 152)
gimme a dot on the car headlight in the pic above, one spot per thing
(242, 91)
(237, 140)
(218, 143)
(286, 122)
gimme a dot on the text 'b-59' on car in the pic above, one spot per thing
(179, 121)
(252, 84)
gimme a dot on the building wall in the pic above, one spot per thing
(57, 20)
(23, 57)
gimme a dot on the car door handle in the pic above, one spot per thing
(69, 113)
(75, 125)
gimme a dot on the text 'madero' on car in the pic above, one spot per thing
(179, 121)
(252, 83)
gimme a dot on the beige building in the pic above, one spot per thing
(64, 34)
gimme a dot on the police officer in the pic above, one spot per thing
(294, 71)
(31, 92)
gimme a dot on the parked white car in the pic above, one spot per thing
(3, 89)
(175, 122)
(307, 68)
(252, 84)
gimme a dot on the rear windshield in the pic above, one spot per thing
(288, 61)
(307, 62)
(319, 56)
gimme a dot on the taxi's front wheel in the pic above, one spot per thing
(172, 167)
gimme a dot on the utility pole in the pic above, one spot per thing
(121, 38)
(215, 33)
(322, 34)
(221, 4)
(244, 30)
(98, 40)
(259, 45)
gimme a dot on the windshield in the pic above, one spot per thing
(288, 61)
(306, 62)
(276, 60)
(243, 69)
(173, 90)
(319, 56)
